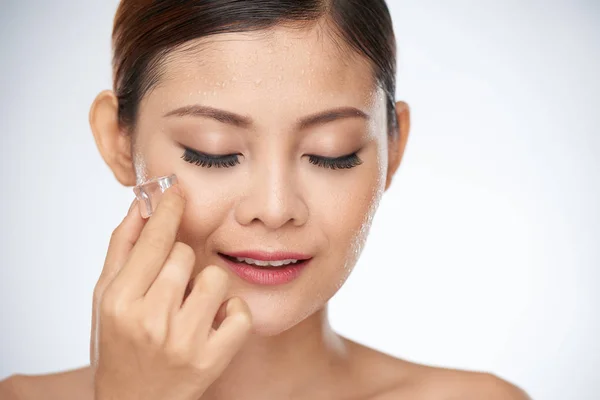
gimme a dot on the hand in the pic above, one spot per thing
(148, 340)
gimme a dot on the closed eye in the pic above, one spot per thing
(210, 160)
(344, 162)
(230, 160)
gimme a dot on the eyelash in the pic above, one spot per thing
(344, 162)
(230, 160)
(208, 160)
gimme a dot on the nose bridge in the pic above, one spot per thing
(272, 194)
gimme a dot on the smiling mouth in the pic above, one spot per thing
(265, 264)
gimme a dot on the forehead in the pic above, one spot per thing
(308, 68)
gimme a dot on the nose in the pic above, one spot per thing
(272, 198)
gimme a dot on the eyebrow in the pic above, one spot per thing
(242, 121)
(223, 116)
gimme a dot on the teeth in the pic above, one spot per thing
(266, 263)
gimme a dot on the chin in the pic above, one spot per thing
(275, 313)
(267, 327)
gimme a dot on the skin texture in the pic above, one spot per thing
(274, 199)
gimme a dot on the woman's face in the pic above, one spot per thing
(298, 101)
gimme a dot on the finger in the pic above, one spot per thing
(232, 333)
(166, 293)
(200, 307)
(121, 242)
(152, 248)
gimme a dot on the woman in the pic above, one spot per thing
(279, 120)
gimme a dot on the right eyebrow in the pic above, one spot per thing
(226, 117)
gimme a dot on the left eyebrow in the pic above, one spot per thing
(330, 116)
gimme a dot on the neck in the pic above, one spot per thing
(300, 362)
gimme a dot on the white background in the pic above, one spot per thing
(484, 254)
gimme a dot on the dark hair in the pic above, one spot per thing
(145, 31)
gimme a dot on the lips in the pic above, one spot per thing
(266, 268)
(268, 256)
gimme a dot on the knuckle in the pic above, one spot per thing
(109, 305)
(102, 286)
(202, 296)
(178, 352)
(184, 253)
(98, 293)
(116, 314)
(116, 234)
(156, 241)
(152, 330)
(203, 365)
(244, 320)
(214, 276)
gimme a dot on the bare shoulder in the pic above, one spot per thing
(401, 379)
(66, 385)
(431, 383)
(449, 384)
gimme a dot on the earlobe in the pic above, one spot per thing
(114, 144)
(397, 142)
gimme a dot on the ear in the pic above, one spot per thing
(397, 141)
(113, 143)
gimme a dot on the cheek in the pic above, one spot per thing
(154, 156)
(209, 194)
(346, 207)
(210, 201)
